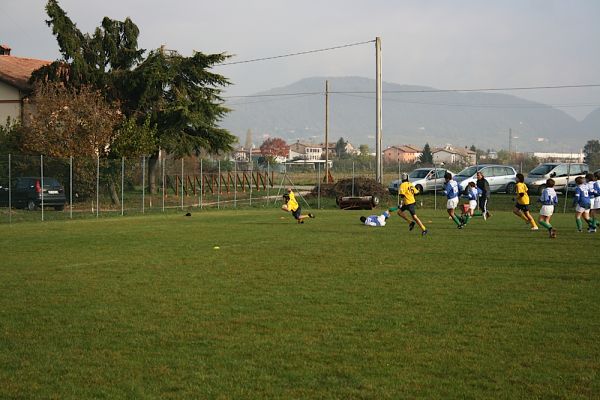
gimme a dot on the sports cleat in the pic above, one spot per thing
(579, 230)
(311, 215)
(300, 221)
(552, 233)
(535, 228)
(488, 215)
(424, 233)
(460, 226)
(591, 230)
(411, 226)
(484, 215)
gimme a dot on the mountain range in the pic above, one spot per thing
(411, 114)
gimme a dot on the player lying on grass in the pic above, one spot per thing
(375, 220)
(290, 204)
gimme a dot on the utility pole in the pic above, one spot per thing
(327, 131)
(379, 166)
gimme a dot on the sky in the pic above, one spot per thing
(445, 44)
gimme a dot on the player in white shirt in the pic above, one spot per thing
(549, 199)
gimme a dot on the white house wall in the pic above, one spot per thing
(10, 103)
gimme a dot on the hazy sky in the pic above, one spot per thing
(452, 44)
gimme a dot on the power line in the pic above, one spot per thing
(298, 54)
(423, 91)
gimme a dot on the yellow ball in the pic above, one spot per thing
(216, 247)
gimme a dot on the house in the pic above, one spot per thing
(307, 151)
(453, 155)
(14, 84)
(402, 154)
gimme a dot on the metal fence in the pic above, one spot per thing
(100, 187)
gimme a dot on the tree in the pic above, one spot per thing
(177, 95)
(70, 122)
(274, 147)
(426, 157)
(340, 148)
(592, 153)
(364, 150)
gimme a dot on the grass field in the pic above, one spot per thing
(145, 307)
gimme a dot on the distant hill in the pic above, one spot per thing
(409, 116)
(590, 126)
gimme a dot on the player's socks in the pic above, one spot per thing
(456, 220)
(533, 224)
(422, 227)
(467, 218)
(579, 224)
(545, 225)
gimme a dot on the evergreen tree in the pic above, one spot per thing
(177, 96)
(591, 150)
(426, 157)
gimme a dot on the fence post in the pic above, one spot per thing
(9, 189)
(319, 184)
(162, 164)
(122, 186)
(234, 183)
(143, 184)
(182, 183)
(219, 185)
(97, 185)
(42, 182)
(352, 178)
(201, 182)
(71, 186)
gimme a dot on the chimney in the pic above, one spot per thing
(4, 50)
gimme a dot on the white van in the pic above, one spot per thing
(562, 173)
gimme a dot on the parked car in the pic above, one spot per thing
(571, 186)
(424, 179)
(502, 178)
(562, 173)
(27, 192)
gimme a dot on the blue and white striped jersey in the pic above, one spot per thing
(549, 197)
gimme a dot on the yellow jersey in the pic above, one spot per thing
(522, 188)
(408, 191)
(292, 203)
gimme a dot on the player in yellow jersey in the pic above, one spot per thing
(407, 191)
(521, 209)
(291, 204)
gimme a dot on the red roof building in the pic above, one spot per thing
(14, 83)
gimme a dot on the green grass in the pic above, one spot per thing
(144, 307)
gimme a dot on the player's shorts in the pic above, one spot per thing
(297, 213)
(452, 203)
(410, 207)
(547, 211)
(522, 207)
(581, 210)
(596, 203)
(473, 204)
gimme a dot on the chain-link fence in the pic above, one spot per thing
(44, 188)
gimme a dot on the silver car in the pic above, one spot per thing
(424, 179)
(502, 178)
(563, 175)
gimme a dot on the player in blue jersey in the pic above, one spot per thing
(375, 220)
(582, 202)
(594, 187)
(471, 193)
(452, 192)
(549, 200)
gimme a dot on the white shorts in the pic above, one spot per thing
(582, 210)
(472, 204)
(452, 203)
(596, 203)
(547, 211)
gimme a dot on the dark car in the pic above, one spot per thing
(27, 192)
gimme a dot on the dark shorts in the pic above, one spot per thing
(409, 207)
(297, 213)
(522, 207)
